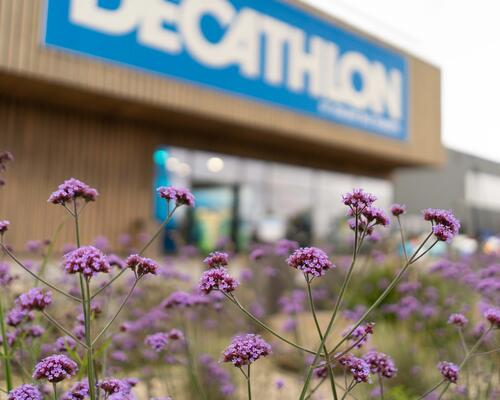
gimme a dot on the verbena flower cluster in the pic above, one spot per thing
(55, 368)
(359, 368)
(381, 363)
(142, 265)
(25, 392)
(216, 259)
(217, 279)
(310, 260)
(71, 190)
(86, 260)
(246, 349)
(358, 200)
(449, 371)
(179, 196)
(444, 224)
(36, 299)
(493, 316)
(458, 320)
(398, 209)
(4, 226)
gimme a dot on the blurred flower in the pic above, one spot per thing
(381, 363)
(65, 343)
(398, 209)
(141, 265)
(36, 299)
(458, 320)
(449, 371)
(493, 316)
(216, 259)
(158, 341)
(246, 349)
(79, 391)
(180, 196)
(4, 226)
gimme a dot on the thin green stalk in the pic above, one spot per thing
(249, 385)
(335, 310)
(85, 291)
(4, 391)
(384, 294)
(320, 334)
(117, 312)
(403, 241)
(37, 277)
(141, 252)
(192, 367)
(6, 351)
(381, 386)
(315, 388)
(466, 358)
(55, 390)
(63, 329)
(263, 325)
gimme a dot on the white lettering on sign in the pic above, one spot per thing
(260, 46)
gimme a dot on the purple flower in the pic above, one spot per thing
(5, 277)
(449, 371)
(79, 391)
(444, 224)
(358, 367)
(293, 303)
(55, 368)
(180, 299)
(310, 260)
(493, 316)
(375, 216)
(279, 383)
(381, 363)
(175, 334)
(65, 343)
(72, 189)
(142, 265)
(284, 247)
(180, 196)
(398, 209)
(4, 226)
(216, 259)
(86, 260)
(25, 392)
(36, 299)
(360, 335)
(158, 341)
(18, 315)
(217, 279)
(458, 320)
(245, 349)
(35, 331)
(358, 200)
(112, 386)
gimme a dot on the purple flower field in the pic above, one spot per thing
(377, 318)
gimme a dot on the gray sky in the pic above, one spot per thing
(462, 37)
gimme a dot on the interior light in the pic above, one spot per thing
(215, 164)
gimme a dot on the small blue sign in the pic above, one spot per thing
(265, 50)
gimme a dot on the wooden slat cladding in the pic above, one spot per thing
(50, 146)
(71, 79)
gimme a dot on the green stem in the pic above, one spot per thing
(320, 334)
(117, 312)
(6, 351)
(85, 291)
(249, 385)
(141, 252)
(403, 241)
(381, 385)
(335, 310)
(54, 385)
(37, 277)
(63, 329)
(263, 325)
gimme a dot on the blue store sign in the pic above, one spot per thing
(265, 50)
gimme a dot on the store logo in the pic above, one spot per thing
(263, 49)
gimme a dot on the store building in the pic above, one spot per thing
(107, 90)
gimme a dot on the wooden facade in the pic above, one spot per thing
(66, 115)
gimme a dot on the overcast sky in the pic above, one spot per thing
(462, 37)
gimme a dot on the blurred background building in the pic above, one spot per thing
(267, 110)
